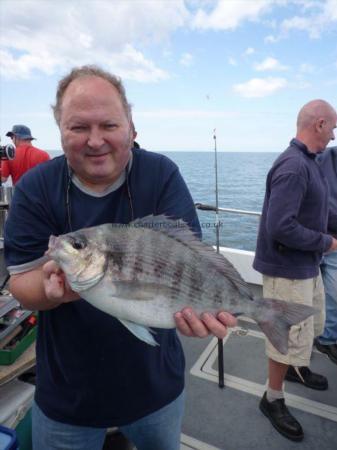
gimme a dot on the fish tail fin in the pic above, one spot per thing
(275, 317)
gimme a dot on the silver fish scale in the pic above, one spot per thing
(161, 272)
(148, 257)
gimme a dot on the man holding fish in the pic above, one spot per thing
(94, 371)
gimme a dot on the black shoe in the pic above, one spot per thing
(330, 350)
(307, 378)
(281, 419)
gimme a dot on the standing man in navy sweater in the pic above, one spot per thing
(327, 341)
(292, 238)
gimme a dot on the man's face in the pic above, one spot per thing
(327, 133)
(96, 133)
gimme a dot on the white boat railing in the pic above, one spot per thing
(242, 260)
(240, 211)
(204, 207)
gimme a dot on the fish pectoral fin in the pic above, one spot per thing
(140, 331)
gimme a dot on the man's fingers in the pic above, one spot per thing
(189, 324)
(50, 267)
(182, 325)
(197, 326)
(54, 286)
(216, 327)
(227, 319)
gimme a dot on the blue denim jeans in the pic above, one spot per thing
(329, 275)
(157, 431)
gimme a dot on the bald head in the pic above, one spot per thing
(313, 111)
(315, 124)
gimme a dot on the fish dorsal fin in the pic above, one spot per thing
(176, 228)
(179, 230)
(224, 267)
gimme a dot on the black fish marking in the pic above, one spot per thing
(179, 231)
(118, 259)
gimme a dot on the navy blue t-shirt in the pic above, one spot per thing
(91, 370)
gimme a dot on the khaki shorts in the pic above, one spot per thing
(309, 292)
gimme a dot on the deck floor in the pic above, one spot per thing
(229, 418)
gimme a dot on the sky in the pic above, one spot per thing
(241, 67)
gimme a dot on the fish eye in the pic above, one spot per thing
(78, 244)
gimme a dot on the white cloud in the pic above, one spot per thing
(229, 14)
(260, 87)
(269, 64)
(308, 4)
(270, 39)
(186, 59)
(249, 51)
(232, 61)
(127, 63)
(50, 36)
(132, 65)
(300, 23)
(21, 66)
(323, 16)
(306, 68)
(330, 9)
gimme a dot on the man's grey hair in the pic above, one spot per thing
(89, 71)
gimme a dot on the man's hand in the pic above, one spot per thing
(189, 324)
(333, 246)
(55, 284)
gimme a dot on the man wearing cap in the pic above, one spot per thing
(26, 155)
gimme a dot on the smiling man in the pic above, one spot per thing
(92, 373)
(96, 134)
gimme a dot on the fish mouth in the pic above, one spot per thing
(53, 244)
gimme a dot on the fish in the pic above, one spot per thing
(143, 272)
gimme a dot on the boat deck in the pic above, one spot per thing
(229, 418)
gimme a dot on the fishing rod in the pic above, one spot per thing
(217, 223)
(217, 231)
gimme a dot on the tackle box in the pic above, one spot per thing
(8, 356)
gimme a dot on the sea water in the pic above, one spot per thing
(241, 185)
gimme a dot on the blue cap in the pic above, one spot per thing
(21, 132)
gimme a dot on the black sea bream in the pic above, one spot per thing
(144, 272)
